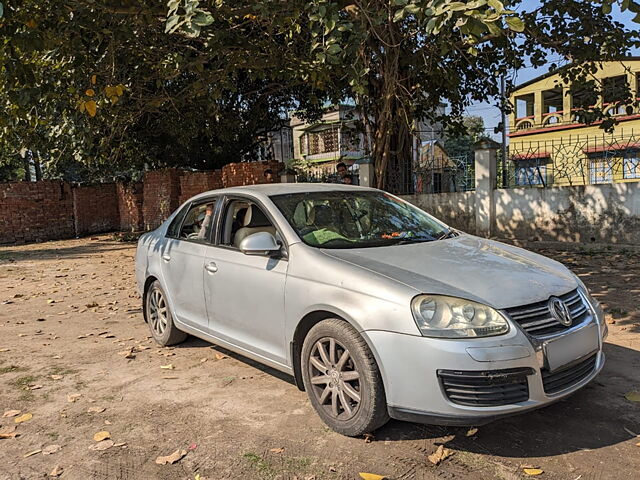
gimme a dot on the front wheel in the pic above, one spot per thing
(342, 379)
(159, 317)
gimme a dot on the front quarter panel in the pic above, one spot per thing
(367, 300)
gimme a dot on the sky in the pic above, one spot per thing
(490, 113)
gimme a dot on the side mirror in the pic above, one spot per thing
(261, 243)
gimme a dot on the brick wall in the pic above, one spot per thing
(193, 183)
(95, 209)
(35, 211)
(249, 173)
(161, 196)
(130, 199)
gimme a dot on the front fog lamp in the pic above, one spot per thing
(450, 317)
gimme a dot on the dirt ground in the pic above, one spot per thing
(70, 314)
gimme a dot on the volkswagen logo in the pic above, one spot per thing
(560, 311)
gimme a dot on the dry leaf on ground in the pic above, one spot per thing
(533, 471)
(102, 435)
(73, 397)
(471, 432)
(56, 377)
(173, 458)
(56, 472)
(11, 413)
(23, 418)
(221, 356)
(96, 409)
(632, 396)
(33, 386)
(368, 437)
(103, 445)
(439, 455)
(8, 432)
(32, 453)
(371, 476)
(277, 450)
(51, 449)
(167, 367)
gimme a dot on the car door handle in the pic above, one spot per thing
(211, 267)
(166, 257)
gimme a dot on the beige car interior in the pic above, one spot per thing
(244, 219)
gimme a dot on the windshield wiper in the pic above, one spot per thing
(447, 234)
(420, 239)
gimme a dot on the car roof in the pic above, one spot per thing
(269, 189)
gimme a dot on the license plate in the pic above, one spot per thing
(564, 350)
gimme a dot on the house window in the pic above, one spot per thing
(601, 170)
(631, 166)
(531, 173)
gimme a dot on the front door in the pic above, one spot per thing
(245, 293)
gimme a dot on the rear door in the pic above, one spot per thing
(245, 293)
(182, 262)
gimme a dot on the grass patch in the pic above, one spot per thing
(12, 368)
(22, 382)
(260, 465)
(58, 370)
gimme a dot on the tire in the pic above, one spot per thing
(159, 317)
(346, 391)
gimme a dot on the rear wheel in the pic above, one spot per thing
(159, 317)
(342, 379)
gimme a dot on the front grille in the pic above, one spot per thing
(536, 319)
(486, 388)
(566, 377)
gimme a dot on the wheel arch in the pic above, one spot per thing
(305, 324)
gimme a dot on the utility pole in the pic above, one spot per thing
(503, 103)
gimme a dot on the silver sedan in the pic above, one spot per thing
(376, 308)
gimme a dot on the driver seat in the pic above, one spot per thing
(254, 221)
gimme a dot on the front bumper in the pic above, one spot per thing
(410, 368)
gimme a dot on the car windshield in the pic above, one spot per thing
(343, 219)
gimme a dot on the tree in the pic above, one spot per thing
(98, 89)
(460, 144)
(399, 59)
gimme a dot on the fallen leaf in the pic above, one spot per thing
(638, 444)
(533, 471)
(471, 432)
(220, 356)
(368, 437)
(171, 459)
(33, 386)
(170, 377)
(11, 413)
(96, 409)
(120, 444)
(107, 422)
(633, 396)
(51, 449)
(277, 450)
(56, 377)
(202, 360)
(439, 455)
(4, 349)
(167, 367)
(102, 435)
(103, 445)
(8, 432)
(371, 476)
(56, 472)
(24, 418)
(73, 397)
(31, 453)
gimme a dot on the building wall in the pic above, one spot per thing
(249, 173)
(193, 183)
(456, 209)
(95, 209)
(130, 201)
(161, 196)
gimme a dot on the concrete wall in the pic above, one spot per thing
(455, 209)
(582, 214)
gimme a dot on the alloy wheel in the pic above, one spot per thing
(158, 312)
(334, 378)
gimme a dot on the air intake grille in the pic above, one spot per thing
(567, 377)
(536, 318)
(486, 388)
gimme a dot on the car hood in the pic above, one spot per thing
(482, 270)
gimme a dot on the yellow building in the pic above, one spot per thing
(549, 146)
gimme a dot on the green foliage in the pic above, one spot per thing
(460, 144)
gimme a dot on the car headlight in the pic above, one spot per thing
(451, 317)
